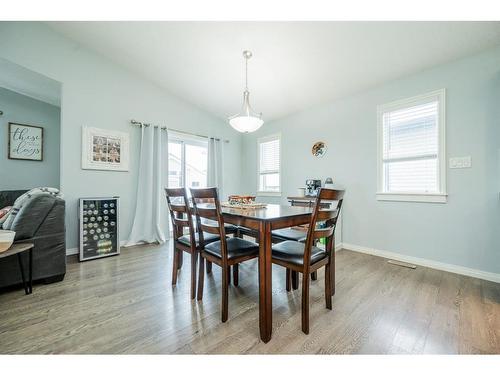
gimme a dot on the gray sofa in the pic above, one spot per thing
(42, 222)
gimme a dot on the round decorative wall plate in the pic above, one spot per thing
(319, 149)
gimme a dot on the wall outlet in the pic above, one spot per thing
(461, 162)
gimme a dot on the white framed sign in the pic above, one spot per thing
(105, 149)
(25, 142)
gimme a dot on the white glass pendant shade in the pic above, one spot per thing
(246, 124)
(248, 120)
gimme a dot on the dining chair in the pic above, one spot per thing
(180, 214)
(225, 252)
(305, 257)
(230, 229)
(292, 234)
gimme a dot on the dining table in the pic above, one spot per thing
(264, 220)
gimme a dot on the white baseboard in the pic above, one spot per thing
(490, 276)
(72, 251)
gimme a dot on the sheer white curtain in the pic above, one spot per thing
(151, 216)
(216, 165)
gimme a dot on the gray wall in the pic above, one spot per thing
(99, 93)
(25, 174)
(466, 230)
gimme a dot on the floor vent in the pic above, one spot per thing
(402, 264)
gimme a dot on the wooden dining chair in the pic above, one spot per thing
(306, 258)
(229, 228)
(291, 234)
(180, 214)
(225, 252)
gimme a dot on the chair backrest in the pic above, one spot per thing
(180, 213)
(328, 217)
(208, 214)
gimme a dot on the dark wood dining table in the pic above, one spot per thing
(265, 220)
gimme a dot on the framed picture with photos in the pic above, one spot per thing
(25, 142)
(105, 149)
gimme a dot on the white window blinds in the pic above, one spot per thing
(269, 164)
(411, 149)
(411, 146)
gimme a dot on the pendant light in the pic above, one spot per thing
(247, 120)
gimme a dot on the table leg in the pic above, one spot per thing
(332, 266)
(181, 259)
(265, 282)
(295, 280)
(31, 271)
(19, 258)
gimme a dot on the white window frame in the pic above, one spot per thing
(259, 141)
(441, 196)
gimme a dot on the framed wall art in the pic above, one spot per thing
(105, 149)
(319, 149)
(25, 142)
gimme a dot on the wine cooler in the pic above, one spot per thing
(99, 227)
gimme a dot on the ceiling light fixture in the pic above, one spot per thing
(248, 120)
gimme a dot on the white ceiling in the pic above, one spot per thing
(26, 82)
(295, 64)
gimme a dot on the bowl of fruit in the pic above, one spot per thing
(241, 199)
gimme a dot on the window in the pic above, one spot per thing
(269, 165)
(187, 161)
(411, 146)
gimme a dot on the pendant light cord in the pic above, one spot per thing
(246, 73)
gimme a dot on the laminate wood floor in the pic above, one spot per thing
(125, 304)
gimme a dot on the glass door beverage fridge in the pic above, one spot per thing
(99, 227)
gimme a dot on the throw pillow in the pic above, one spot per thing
(4, 213)
(24, 199)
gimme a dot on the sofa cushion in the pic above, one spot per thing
(8, 197)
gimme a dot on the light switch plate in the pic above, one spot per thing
(461, 162)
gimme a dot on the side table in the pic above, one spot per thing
(19, 249)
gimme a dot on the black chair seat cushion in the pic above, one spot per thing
(293, 252)
(290, 234)
(230, 228)
(207, 237)
(248, 232)
(236, 247)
